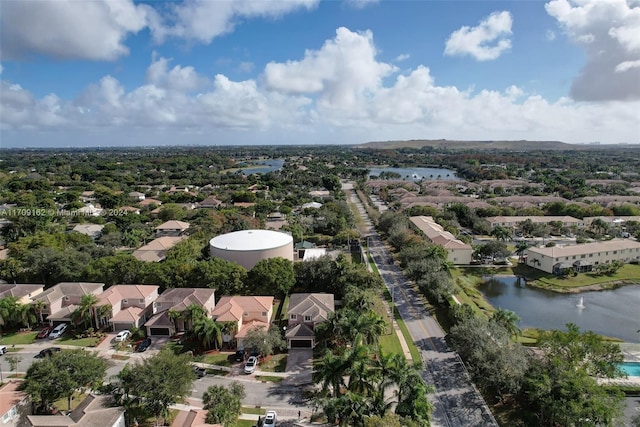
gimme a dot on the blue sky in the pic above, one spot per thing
(120, 72)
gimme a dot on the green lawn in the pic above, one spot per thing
(16, 338)
(275, 363)
(220, 359)
(244, 423)
(629, 273)
(80, 342)
(253, 410)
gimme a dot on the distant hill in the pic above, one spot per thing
(522, 145)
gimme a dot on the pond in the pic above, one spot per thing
(263, 166)
(416, 174)
(613, 312)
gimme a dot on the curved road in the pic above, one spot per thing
(457, 401)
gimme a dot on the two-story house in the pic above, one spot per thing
(177, 300)
(172, 228)
(59, 301)
(23, 293)
(247, 312)
(131, 305)
(305, 311)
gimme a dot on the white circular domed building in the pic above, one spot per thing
(248, 247)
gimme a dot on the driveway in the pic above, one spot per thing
(299, 366)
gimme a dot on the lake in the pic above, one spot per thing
(416, 174)
(264, 166)
(614, 313)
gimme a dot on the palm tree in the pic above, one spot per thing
(85, 311)
(102, 312)
(508, 320)
(8, 307)
(38, 307)
(173, 316)
(520, 248)
(192, 314)
(369, 327)
(330, 372)
(359, 370)
(24, 315)
(208, 331)
(501, 233)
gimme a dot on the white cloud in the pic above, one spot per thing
(93, 30)
(402, 57)
(361, 4)
(341, 72)
(550, 35)
(339, 93)
(609, 32)
(204, 20)
(485, 42)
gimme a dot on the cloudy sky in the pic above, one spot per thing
(123, 72)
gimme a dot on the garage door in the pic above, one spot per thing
(159, 331)
(300, 343)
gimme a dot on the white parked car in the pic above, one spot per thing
(270, 419)
(58, 331)
(251, 364)
(123, 335)
(3, 349)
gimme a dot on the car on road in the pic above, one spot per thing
(58, 331)
(3, 349)
(270, 419)
(122, 335)
(47, 352)
(44, 332)
(250, 366)
(144, 345)
(200, 372)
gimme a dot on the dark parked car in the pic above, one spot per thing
(144, 344)
(240, 353)
(200, 372)
(45, 332)
(47, 352)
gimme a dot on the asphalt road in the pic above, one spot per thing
(457, 402)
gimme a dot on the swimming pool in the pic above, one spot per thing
(632, 369)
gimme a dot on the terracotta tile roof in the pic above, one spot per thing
(242, 333)
(63, 289)
(173, 225)
(117, 293)
(436, 233)
(231, 308)
(10, 396)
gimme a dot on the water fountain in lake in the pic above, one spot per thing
(580, 303)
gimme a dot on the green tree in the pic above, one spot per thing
(60, 375)
(507, 319)
(271, 275)
(154, 384)
(223, 405)
(85, 312)
(13, 361)
(561, 389)
(266, 341)
(502, 233)
(208, 332)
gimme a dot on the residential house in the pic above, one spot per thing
(515, 221)
(246, 312)
(210, 203)
(582, 257)
(92, 230)
(87, 196)
(192, 418)
(311, 205)
(149, 201)
(94, 410)
(156, 250)
(131, 305)
(177, 300)
(305, 311)
(12, 403)
(62, 299)
(458, 252)
(321, 194)
(90, 210)
(130, 210)
(23, 293)
(172, 228)
(136, 196)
